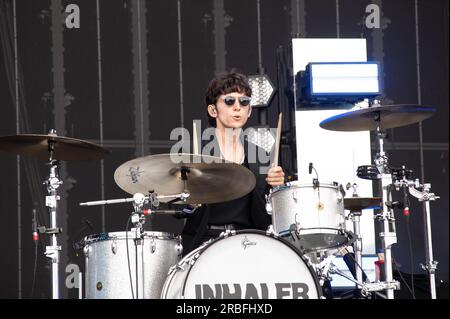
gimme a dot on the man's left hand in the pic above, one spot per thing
(275, 176)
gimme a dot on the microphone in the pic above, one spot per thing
(350, 261)
(189, 209)
(34, 226)
(315, 180)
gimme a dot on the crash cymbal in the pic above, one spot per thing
(384, 117)
(356, 204)
(207, 179)
(64, 148)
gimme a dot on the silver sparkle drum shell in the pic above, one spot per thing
(313, 218)
(242, 265)
(107, 274)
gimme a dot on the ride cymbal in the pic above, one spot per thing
(384, 117)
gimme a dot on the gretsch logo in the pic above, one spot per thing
(246, 242)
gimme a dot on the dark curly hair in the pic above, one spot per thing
(224, 83)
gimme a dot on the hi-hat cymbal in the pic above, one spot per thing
(64, 148)
(384, 117)
(356, 204)
(207, 179)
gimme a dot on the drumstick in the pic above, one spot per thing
(277, 141)
(195, 140)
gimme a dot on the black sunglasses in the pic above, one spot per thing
(230, 100)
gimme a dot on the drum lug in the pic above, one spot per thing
(152, 246)
(193, 259)
(297, 222)
(270, 231)
(268, 205)
(86, 250)
(339, 196)
(179, 249)
(227, 233)
(114, 246)
(174, 268)
(294, 195)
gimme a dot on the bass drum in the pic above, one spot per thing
(242, 265)
(109, 264)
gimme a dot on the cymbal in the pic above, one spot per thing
(64, 148)
(208, 179)
(356, 204)
(385, 117)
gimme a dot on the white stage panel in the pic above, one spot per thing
(335, 155)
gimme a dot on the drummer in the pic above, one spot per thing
(227, 100)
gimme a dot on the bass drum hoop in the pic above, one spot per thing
(186, 260)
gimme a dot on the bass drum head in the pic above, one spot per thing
(250, 264)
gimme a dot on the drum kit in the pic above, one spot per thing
(291, 259)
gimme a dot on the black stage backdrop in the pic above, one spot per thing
(131, 71)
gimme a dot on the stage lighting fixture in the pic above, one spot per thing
(262, 90)
(338, 82)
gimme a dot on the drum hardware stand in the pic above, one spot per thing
(367, 288)
(425, 197)
(380, 171)
(138, 220)
(323, 268)
(387, 217)
(355, 216)
(51, 201)
(138, 215)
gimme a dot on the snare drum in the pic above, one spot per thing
(310, 216)
(242, 265)
(110, 270)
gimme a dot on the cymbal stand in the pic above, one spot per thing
(422, 193)
(388, 237)
(355, 216)
(51, 201)
(138, 220)
(357, 245)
